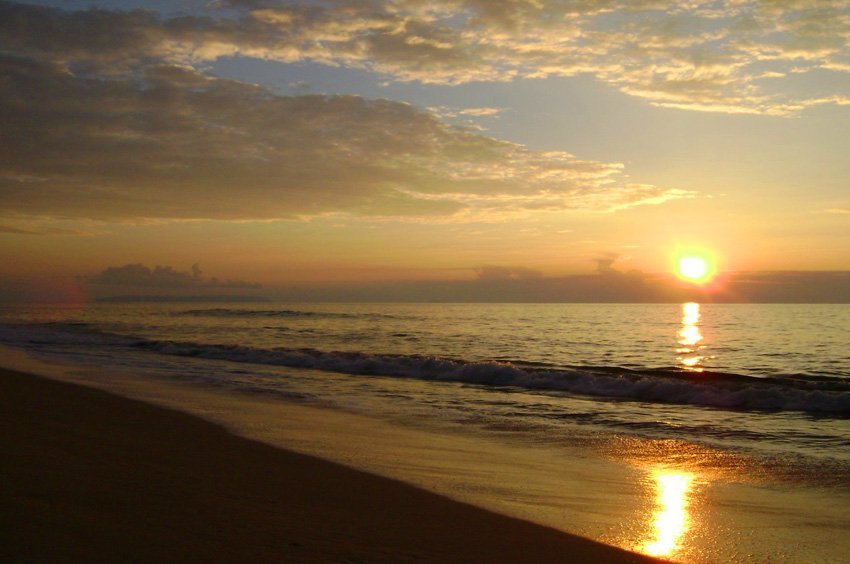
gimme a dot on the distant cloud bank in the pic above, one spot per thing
(492, 284)
(513, 285)
(141, 276)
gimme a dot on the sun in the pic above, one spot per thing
(697, 267)
(693, 268)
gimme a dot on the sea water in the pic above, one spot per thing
(753, 394)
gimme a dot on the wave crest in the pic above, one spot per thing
(814, 394)
(826, 396)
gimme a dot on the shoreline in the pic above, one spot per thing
(88, 474)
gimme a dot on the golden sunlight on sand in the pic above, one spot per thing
(672, 519)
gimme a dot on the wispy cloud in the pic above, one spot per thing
(171, 142)
(475, 118)
(728, 56)
(48, 230)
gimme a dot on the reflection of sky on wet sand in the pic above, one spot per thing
(671, 518)
(674, 517)
(689, 338)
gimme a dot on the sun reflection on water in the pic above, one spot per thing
(690, 337)
(671, 517)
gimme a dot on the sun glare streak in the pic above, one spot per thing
(690, 313)
(689, 337)
(671, 519)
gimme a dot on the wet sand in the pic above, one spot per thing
(89, 476)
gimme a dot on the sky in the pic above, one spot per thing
(413, 149)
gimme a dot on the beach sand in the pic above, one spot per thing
(89, 476)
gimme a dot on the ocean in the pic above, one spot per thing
(744, 410)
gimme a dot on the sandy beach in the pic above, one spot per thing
(91, 476)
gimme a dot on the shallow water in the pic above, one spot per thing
(739, 413)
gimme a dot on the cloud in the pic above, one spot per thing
(17, 230)
(605, 264)
(172, 142)
(507, 273)
(466, 115)
(701, 55)
(611, 286)
(139, 275)
(789, 286)
(480, 112)
(11, 229)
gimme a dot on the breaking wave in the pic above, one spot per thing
(826, 396)
(818, 395)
